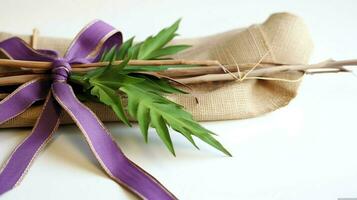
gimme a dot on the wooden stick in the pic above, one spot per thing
(48, 65)
(22, 72)
(34, 38)
(20, 79)
(324, 66)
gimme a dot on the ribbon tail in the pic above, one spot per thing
(17, 165)
(106, 150)
(22, 98)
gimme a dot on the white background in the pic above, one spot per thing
(306, 150)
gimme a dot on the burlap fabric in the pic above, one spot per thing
(283, 38)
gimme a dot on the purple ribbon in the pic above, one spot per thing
(58, 95)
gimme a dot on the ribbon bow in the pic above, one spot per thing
(87, 47)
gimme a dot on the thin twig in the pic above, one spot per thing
(202, 70)
(48, 65)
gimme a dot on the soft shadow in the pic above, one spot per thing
(78, 141)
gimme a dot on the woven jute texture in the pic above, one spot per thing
(283, 39)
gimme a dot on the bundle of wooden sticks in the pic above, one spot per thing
(199, 72)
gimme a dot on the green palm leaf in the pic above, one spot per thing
(146, 101)
(149, 107)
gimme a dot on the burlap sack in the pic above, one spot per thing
(284, 36)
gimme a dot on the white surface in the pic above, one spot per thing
(306, 150)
